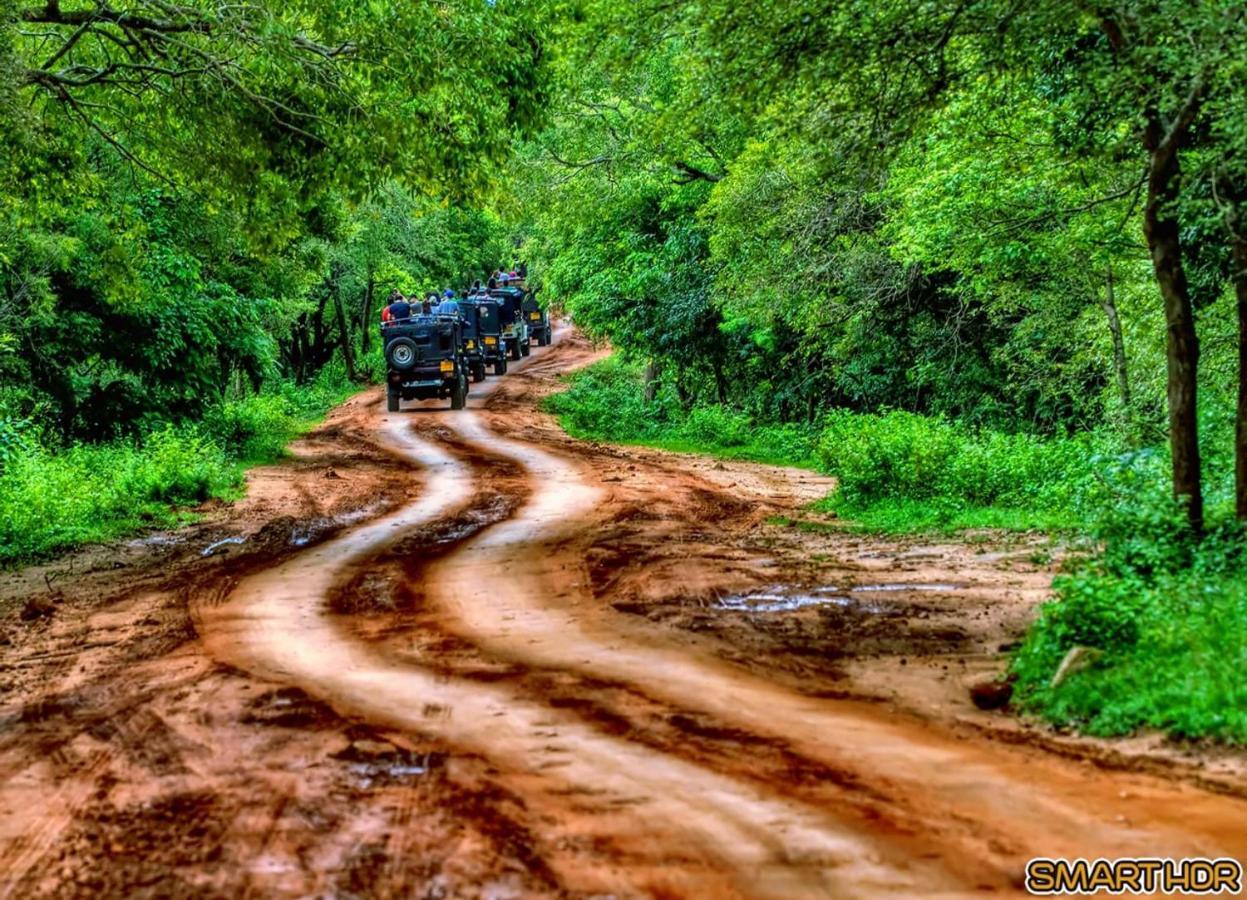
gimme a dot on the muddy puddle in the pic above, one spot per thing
(787, 598)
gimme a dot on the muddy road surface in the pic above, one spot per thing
(460, 654)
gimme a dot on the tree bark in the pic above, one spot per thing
(1240, 424)
(653, 376)
(720, 381)
(344, 334)
(1164, 240)
(365, 318)
(1119, 345)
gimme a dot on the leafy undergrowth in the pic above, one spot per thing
(1165, 620)
(52, 500)
(606, 402)
(898, 472)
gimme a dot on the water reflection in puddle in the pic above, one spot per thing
(780, 599)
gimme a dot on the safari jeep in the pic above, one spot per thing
(538, 320)
(489, 331)
(511, 314)
(424, 359)
(480, 320)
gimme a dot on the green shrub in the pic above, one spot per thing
(54, 500)
(606, 402)
(51, 501)
(1167, 609)
(899, 471)
(718, 427)
(253, 428)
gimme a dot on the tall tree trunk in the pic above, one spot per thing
(1160, 226)
(682, 391)
(1119, 345)
(344, 335)
(720, 381)
(365, 317)
(1240, 425)
(653, 376)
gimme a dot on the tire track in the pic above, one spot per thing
(274, 624)
(980, 805)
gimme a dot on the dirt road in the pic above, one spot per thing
(460, 654)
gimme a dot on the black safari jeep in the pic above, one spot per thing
(481, 314)
(473, 346)
(514, 327)
(424, 359)
(537, 318)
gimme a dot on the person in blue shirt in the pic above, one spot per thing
(449, 306)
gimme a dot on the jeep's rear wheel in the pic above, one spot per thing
(459, 393)
(524, 348)
(500, 365)
(392, 398)
(478, 370)
(401, 354)
(515, 349)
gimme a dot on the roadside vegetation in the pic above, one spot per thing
(54, 500)
(194, 255)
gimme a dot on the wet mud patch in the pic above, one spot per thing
(390, 582)
(289, 707)
(374, 761)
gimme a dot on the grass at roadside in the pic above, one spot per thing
(606, 402)
(1164, 622)
(898, 472)
(54, 499)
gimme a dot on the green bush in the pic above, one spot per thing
(1174, 647)
(54, 500)
(1166, 608)
(51, 501)
(606, 402)
(253, 428)
(899, 471)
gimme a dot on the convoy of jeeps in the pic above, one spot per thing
(437, 351)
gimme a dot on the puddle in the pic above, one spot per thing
(898, 586)
(317, 528)
(768, 603)
(367, 774)
(213, 547)
(155, 540)
(301, 537)
(780, 599)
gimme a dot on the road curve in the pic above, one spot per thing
(950, 815)
(275, 624)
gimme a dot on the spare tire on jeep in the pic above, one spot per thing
(401, 354)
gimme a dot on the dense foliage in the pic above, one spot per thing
(202, 209)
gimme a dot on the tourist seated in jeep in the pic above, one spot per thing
(424, 359)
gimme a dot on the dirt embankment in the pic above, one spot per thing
(460, 654)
